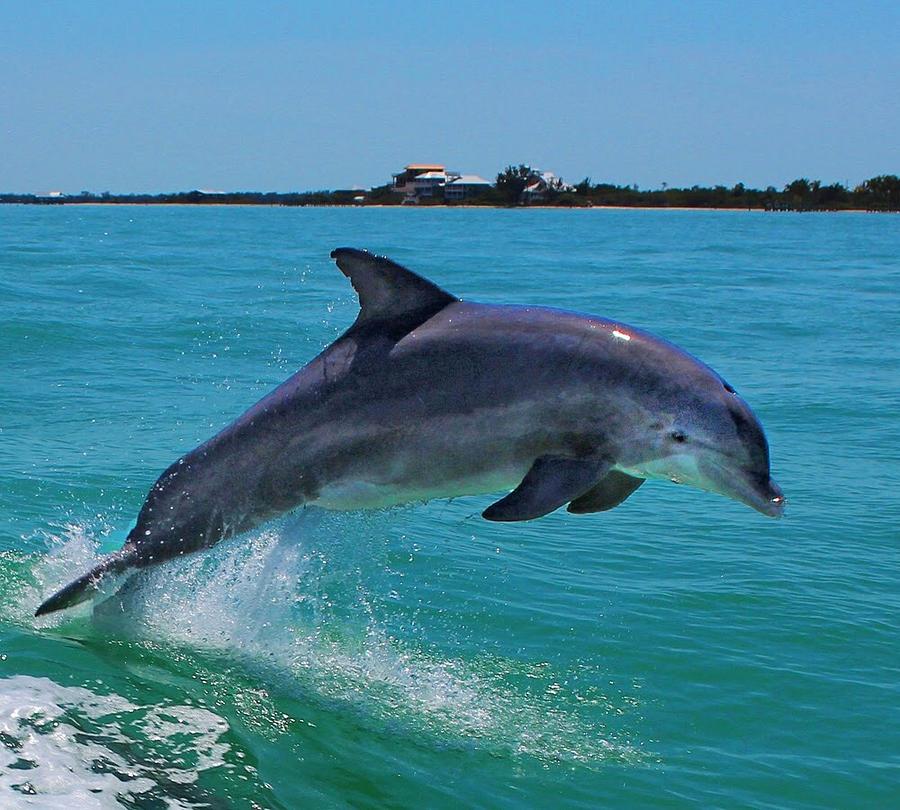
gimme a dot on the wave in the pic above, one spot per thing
(68, 746)
(298, 607)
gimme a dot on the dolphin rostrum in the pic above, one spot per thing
(427, 396)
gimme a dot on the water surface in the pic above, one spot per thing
(681, 649)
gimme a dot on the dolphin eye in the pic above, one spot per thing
(728, 388)
(678, 436)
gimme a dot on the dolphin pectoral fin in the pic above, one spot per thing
(614, 488)
(551, 482)
(386, 290)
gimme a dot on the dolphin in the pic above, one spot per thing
(429, 396)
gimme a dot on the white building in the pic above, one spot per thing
(427, 181)
(419, 180)
(539, 184)
(426, 185)
(464, 186)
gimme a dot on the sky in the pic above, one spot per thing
(163, 96)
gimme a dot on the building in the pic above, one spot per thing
(429, 184)
(464, 187)
(419, 180)
(540, 184)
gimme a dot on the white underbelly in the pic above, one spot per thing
(681, 468)
(358, 494)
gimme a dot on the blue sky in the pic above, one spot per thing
(137, 96)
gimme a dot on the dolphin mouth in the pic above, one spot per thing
(771, 502)
(763, 495)
(759, 492)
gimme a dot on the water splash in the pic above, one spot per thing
(294, 604)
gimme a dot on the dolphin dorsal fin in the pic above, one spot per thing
(386, 290)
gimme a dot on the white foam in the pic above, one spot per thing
(66, 746)
(292, 603)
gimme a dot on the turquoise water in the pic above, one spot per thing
(679, 650)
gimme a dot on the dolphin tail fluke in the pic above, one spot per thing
(86, 586)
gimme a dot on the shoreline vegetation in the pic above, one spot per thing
(512, 188)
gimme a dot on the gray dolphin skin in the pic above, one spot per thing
(427, 396)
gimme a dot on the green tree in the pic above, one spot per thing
(882, 192)
(799, 193)
(512, 182)
(798, 188)
(831, 196)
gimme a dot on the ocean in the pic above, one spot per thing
(679, 651)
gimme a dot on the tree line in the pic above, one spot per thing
(520, 185)
(881, 193)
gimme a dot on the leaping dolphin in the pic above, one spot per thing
(427, 396)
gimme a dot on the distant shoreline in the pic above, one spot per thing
(518, 187)
(444, 206)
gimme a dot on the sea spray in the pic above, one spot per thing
(295, 605)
